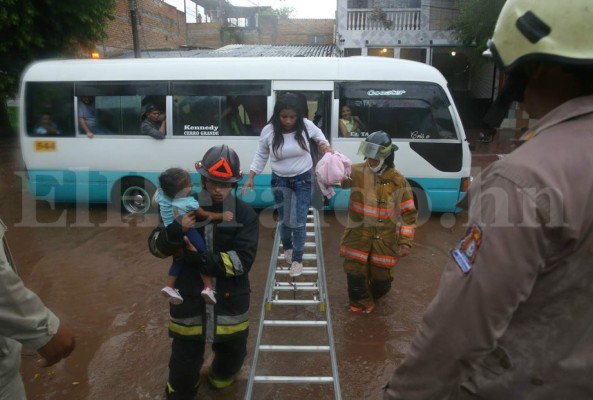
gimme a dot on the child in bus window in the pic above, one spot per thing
(350, 125)
(175, 199)
(46, 126)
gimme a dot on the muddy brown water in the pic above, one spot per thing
(92, 268)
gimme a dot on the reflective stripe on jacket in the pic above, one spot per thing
(381, 216)
(233, 247)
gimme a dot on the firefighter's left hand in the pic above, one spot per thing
(404, 250)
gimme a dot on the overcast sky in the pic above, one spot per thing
(304, 8)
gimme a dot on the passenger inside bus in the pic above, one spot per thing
(87, 117)
(350, 125)
(154, 124)
(46, 126)
(230, 119)
(256, 108)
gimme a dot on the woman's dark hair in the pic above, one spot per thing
(173, 180)
(294, 102)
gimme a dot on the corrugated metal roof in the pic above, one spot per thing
(244, 50)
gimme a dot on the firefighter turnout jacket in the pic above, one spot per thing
(381, 216)
(232, 250)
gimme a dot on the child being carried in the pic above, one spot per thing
(174, 199)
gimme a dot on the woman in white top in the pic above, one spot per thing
(284, 141)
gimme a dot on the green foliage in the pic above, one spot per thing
(285, 12)
(476, 22)
(13, 117)
(39, 29)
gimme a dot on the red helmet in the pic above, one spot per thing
(221, 164)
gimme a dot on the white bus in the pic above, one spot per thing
(208, 101)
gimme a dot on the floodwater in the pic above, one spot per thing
(91, 266)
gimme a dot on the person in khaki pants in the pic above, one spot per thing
(513, 316)
(24, 320)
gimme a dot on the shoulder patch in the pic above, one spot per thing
(465, 252)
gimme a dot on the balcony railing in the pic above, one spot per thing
(384, 20)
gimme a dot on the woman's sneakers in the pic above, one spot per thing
(288, 256)
(208, 295)
(296, 269)
(172, 294)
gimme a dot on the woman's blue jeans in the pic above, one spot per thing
(293, 199)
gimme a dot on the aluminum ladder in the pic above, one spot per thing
(309, 296)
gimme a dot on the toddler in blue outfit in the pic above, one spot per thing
(175, 199)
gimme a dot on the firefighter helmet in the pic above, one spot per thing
(377, 145)
(535, 30)
(221, 164)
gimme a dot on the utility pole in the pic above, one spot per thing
(134, 21)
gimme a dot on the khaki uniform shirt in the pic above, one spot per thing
(24, 320)
(519, 323)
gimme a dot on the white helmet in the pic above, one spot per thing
(543, 30)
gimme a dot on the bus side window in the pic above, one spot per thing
(218, 115)
(254, 108)
(49, 108)
(196, 116)
(231, 122)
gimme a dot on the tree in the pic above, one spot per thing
(476, 21)
(40, 29)
(280, 13)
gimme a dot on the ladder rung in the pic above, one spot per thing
(296, 286)
(296, 289)
(293, 379)
(293, 284)
(295, 302)
(310, 233)
(303, 349)
(307, 244)
(306, 271)
(306, 256)
(294, 323)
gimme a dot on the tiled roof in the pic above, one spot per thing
(244, 50)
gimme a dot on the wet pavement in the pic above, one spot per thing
(92, 268)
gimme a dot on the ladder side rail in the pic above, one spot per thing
(325, 298)
(266, 298)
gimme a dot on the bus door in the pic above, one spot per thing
(319, 96)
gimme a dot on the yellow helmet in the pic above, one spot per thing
(543, 30)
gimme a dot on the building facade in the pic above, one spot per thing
(161, 26)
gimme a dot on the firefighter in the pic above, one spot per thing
(233, 246)
(381, 223)
(512, 318)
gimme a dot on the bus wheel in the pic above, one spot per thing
(136, 195)
(421, 203)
